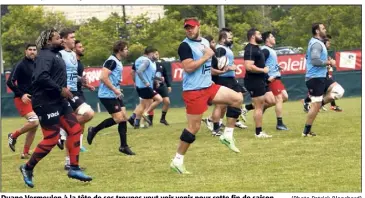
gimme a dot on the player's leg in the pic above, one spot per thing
(278, 110)
(258, 90)
(245, 107)
(84, 113)
(50, 124)
(334, 106)
(334, 92)
(121, 118)
(140, 109)
(33, 120)
(69, 122)
(150, 116)
(215, 118)
(269, 99)
(316, 87)
(259, 103)
(132, 118)
(239, 89)
(157, 99)
(196, 103)
(165, 108)
(112, 107)
(163, 91)
(281, 96)
(187, 137)
(306, 103)
(26, 111)
(227, 96)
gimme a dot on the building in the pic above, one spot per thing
(80, 13)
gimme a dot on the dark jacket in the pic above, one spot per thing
(49, 77)
(22, 75)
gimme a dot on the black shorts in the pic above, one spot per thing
(77, 100)
(316, 86)
(231, 83)
(163, 91)
(50, 114)
(328, 82)
(146, 92)
(112, 105)
(256, 86)
(215, 78)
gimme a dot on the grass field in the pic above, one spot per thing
(330, 162)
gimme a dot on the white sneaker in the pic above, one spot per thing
(323, 108)
(240, 125)
(229, 142)
(243, 114)
(263, 135)
(216, 133)
(179, 168)
(208, 123)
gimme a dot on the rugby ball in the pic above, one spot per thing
(222, 62)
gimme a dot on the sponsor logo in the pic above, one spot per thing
(52, 115)
(74, 99)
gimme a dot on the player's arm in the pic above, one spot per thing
(133, 71)
(187, 60)
(144, 65)
(316, 61)
(249, 61)
(109, 66)
(266, 55)
(166, 77)
(42, 77)
(13, 78)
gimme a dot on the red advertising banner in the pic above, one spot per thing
(292, 64)
(93, 73)
(349, 60)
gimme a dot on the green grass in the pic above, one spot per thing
(330, 162)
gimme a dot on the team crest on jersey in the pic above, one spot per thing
(116, 107)
(73, 60)
(201, 47)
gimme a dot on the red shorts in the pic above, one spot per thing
(22, 108)
(276, 86)
(196, 101)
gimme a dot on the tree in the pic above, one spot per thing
(342, 22)
(98, 38)
(23, 24)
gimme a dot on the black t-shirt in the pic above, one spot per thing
(110, 64)
(254, 53)
(185, 51)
